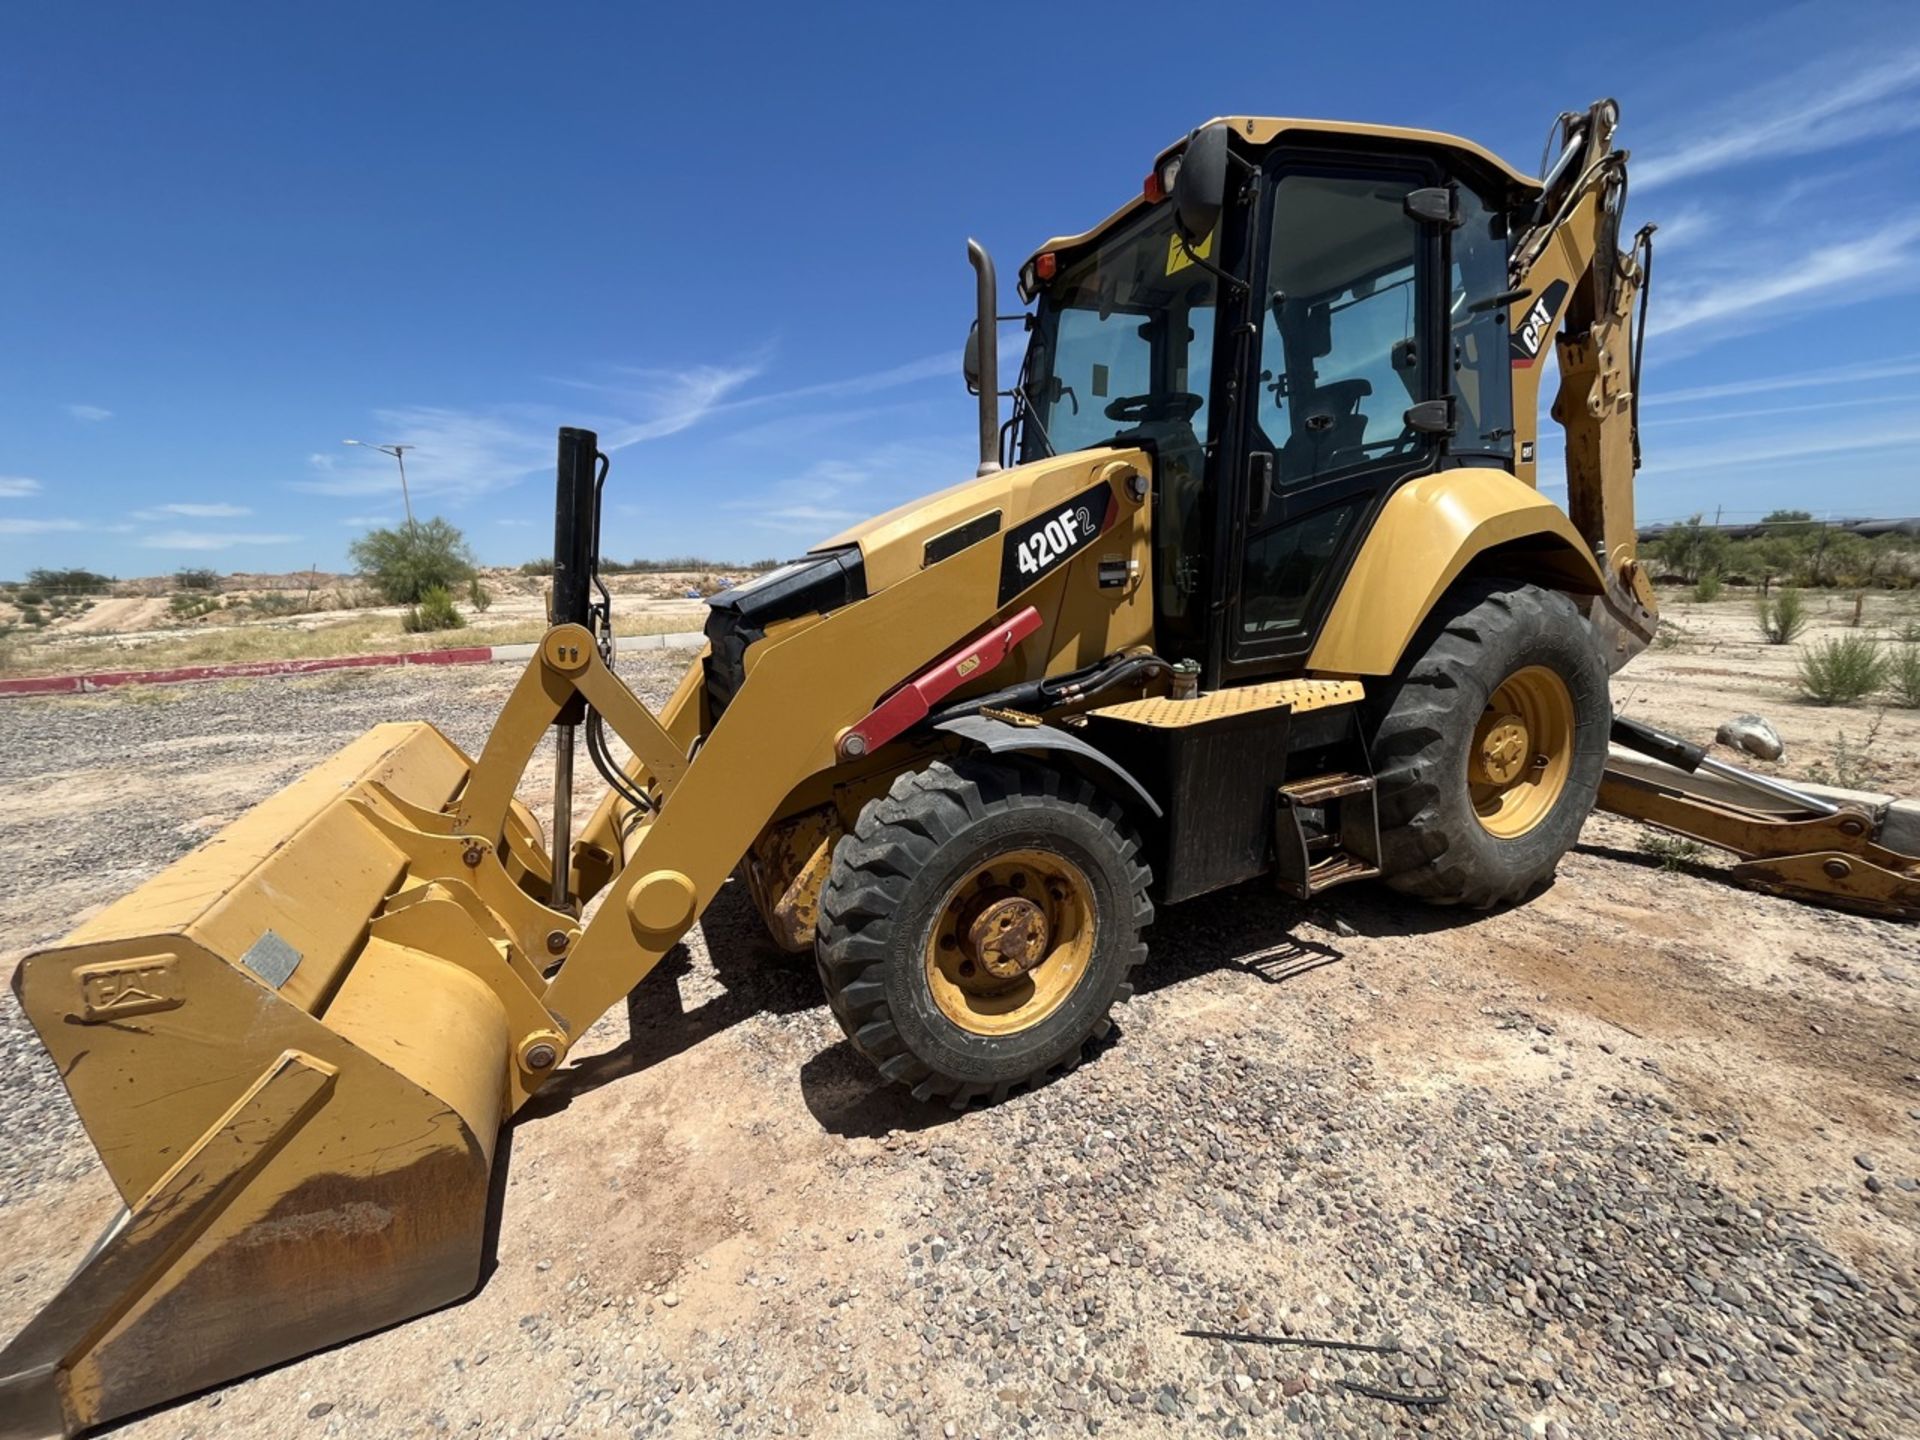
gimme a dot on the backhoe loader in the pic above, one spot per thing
(1254, 580)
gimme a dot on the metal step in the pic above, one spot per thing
(1348, 845)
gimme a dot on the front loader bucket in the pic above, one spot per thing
(297, 1100)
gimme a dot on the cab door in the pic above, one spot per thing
(1345, 304)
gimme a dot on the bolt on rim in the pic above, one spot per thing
(1012, 940)
(1521, 753)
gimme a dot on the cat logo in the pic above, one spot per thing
(967, 666)
(1534, 328)
(122, 989)
(1537, 324)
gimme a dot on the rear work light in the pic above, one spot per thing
(1159, 185)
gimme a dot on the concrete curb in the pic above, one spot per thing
(267, 669)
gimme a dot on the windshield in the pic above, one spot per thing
(1122, 345)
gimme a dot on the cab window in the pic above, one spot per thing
(1341, 368)
(1482, 378)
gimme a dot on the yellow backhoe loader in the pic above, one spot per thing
(1255, 581)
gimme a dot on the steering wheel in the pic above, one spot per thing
(1138, 409)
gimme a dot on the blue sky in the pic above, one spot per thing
(730, 238)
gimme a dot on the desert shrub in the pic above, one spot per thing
(191, 607)
(1903, 676)
(1708, 587)
(275, 602)
(478, 595)
(537, 567)
(1674, 852)
(435, 611)
(408, 561)
(68, 582)
(31, 615)
(197, 579)
(1782, 616)
(29, 596)
(1691, 548)
(1842, 669)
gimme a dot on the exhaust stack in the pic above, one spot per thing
(987, 329)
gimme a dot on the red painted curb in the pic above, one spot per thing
(244, 670)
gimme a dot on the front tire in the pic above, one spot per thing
(977, 926)
(1490, 747)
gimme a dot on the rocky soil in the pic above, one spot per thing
(1638, 1159)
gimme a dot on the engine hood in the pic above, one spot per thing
(922, 532)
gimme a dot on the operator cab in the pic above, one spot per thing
(1327, 323)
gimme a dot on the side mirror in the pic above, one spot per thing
(970, 360)
(1200, 186)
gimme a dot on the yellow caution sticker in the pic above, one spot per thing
(1178, 256)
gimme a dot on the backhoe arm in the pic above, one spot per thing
(1568, 264)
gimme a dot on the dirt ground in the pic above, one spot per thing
(134, 623)
(1639, 1158)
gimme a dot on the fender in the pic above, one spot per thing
(1430, 532)
(997, 737)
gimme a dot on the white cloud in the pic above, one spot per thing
(1836, 101)
(368, 522)
(209, 540)
(193, 511)
(90, 413)
(464, 453)
(9, 526)
(15, 487)
(1907, 403)
(809, 519)
(673, 401)
(1764, 286)
(1895, 367)
(455, 453)
(1760, 451)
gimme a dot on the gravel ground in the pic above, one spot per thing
(1636, 1159)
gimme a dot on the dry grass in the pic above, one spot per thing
(363, 635)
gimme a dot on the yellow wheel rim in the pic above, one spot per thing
(1011, 942)
(1521, 752)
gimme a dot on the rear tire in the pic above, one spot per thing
(977, 926)
(1490, 746)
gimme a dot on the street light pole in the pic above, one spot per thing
(399, 453)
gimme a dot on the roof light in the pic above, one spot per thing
(1150, 187)
(1045, 263)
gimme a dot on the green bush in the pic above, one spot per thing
(1691, 548)
(1903, 676)
(192, 607)
(29, 597)
(537, 567)
(478, 595)
(407, 562)
(1708, 587)
(1782, 616)
(435, 611)
(275, 602)
(197, 579)
(30, 615)
(68, 582)
(1841, 670)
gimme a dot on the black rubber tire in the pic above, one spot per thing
(891, 873)
(1432, 843)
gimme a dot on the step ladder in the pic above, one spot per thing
(1326, 832)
